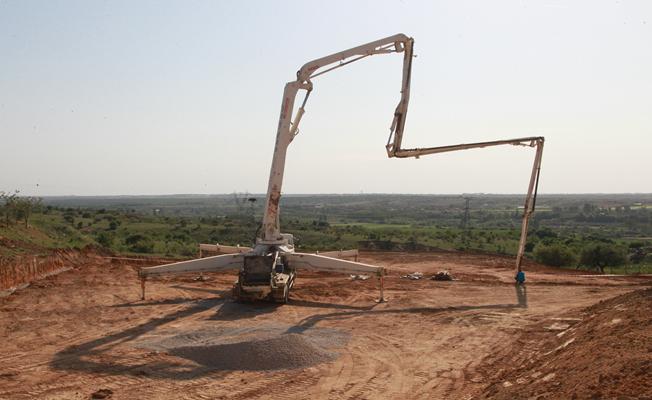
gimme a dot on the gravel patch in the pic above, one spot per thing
(253, 348)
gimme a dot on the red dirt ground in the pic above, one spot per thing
(605, 351)
(85, 331)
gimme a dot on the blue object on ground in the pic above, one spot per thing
(520, 277)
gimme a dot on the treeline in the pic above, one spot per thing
(589, 251)
(564, 235)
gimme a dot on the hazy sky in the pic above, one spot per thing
(139, 97)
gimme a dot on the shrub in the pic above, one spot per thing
(104, 239)
(529, 246)
(139, 243)
(556, 255)
(69, 218)
(544, 233)
(188, 250)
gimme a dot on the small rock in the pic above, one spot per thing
(442, 276)
(415, 276)
(558, 326)
(548, 377)
(359, 277)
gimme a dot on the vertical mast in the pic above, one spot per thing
(287, 128)
(271, 230)
(530, 200)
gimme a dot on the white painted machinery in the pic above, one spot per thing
(268, 270)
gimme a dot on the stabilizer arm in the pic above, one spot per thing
(220, 248)
(316, 262)
(353, 253)
(209, 264)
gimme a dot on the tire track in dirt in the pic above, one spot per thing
(124, 364)
(364, 372)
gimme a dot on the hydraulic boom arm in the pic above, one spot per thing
(288, 128)
(530, 198)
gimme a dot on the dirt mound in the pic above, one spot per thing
(284, 352)
(22, 269)
(605, 353)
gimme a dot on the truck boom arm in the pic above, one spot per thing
(288, 128)
(531, 196)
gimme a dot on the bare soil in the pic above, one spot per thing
(605, 352)
(85, 334)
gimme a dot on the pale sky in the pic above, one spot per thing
(161, 97)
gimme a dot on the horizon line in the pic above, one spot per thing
(350, 194)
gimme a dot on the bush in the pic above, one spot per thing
(139, 243)
(69, 218)
(104, 239)
(603, 255)
(529, 246)
(555, 255)
(545, 233)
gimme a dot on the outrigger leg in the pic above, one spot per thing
(209, 264)
(317, 262)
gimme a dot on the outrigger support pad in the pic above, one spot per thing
(381, 278)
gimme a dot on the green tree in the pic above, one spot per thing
(637, 252)
(140, 243)
(555, 255)
(20, 207)
(603, 255)
(529, 246)
(69, 218)
(545, 233)
(588, 208)
(105, 239)
(9, 205)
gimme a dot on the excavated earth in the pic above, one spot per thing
(85, 333)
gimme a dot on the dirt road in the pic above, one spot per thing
(85, 331)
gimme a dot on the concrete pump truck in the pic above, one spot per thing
(268, 269)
